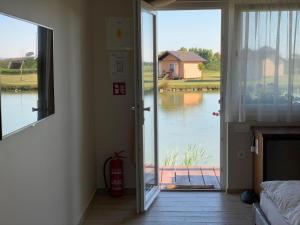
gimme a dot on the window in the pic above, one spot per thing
(26, 74)
(264, 79)
(173, 67)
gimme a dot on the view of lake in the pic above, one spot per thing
(17, 110)
(185, 118)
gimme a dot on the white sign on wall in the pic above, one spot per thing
(119, 62)
(118, 33)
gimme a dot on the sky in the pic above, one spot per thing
(175, 29)
(197, 28)
(16, 37)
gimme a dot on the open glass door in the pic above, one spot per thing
(146, 108)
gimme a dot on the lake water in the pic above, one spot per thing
(185, 118)
(17, 110)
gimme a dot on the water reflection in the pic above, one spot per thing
(177, 101)
(186, 119)
(17, 110)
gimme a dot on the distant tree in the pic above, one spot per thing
(201, 66)
(204, 53)
(3, 64)
(213, 59)
(217, 56)
(214, 65)
(30, 64)
(183, 49)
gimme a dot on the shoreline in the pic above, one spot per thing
(168, 90)
(17, 89)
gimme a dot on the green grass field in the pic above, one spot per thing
(187, 84)
(11, 82)
(211, 75)
(209, 80)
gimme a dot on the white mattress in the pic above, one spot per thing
(285, 196)
(271, 211)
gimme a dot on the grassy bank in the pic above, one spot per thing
(13, 82)
(189, 84)
(210, 80)
(210, 75)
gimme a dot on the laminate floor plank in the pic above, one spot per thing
(171, 208)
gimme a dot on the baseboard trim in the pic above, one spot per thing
(127, 191)
(83, 216)
(235, 190)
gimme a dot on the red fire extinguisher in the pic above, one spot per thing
(115, 174)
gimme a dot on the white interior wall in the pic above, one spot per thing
(240, 170)
(47, 172)
(114, 119)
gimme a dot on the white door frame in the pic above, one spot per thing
(224, 7)
(144, 201)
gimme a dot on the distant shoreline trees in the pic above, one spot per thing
(29, 67)
(213, 58)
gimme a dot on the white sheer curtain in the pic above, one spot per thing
(263, 81)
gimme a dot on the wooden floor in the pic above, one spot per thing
(197, 176)
(171, 208)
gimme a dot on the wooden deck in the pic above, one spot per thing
(197, 177)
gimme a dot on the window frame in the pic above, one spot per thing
(39, 120)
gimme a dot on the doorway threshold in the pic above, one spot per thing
(191, 190)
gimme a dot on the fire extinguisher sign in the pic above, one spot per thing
(119, 88)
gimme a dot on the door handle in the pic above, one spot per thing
(35, 109)
(145, 109)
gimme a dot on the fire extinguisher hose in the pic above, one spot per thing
(104, 171)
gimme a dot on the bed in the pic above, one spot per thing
(279, 204)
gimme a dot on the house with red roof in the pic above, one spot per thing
(180, 65)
